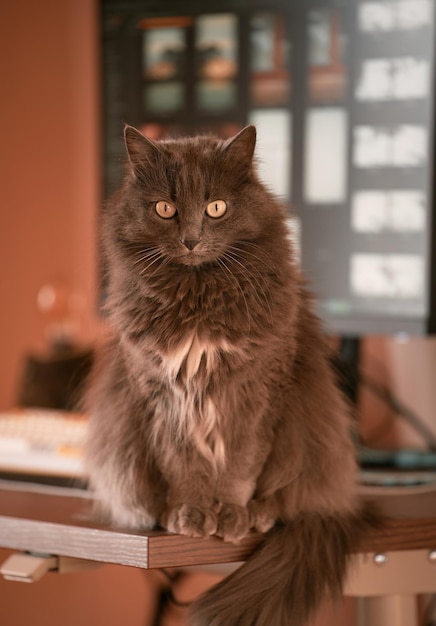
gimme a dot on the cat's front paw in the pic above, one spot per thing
(233, 522)
(263, 515)
(191, 520)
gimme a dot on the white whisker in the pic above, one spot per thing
(241, 253)
(250, 274)
(147, 256)
(164, 262)
(147, 267)
(235, 282)
(259, 256)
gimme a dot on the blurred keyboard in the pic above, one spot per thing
(42, 442)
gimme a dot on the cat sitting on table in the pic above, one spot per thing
(213, 407)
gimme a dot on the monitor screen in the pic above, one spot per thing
(367, 193)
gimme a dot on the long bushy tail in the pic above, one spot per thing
(286, 578)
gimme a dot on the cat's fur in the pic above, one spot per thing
(213, 409)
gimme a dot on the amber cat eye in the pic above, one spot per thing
(165, 209)
(217, 208)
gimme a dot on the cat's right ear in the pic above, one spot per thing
(140, 149)
(241, 146)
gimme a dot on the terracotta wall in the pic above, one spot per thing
(49, 169)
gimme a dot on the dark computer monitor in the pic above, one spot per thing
(367, 218)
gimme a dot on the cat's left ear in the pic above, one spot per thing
(242, 145)
(139, 148)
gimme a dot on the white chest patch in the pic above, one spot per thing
(189, 354)
(194, 419)
(193, 412)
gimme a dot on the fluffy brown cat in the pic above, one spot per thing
(214, 409)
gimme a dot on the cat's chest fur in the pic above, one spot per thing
(194, 359)
(193, 409)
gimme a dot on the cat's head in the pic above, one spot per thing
(188, 200)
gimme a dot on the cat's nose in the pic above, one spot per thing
(190, 243)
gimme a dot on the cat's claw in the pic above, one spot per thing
(191, 520)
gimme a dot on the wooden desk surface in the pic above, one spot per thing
(62, 525)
